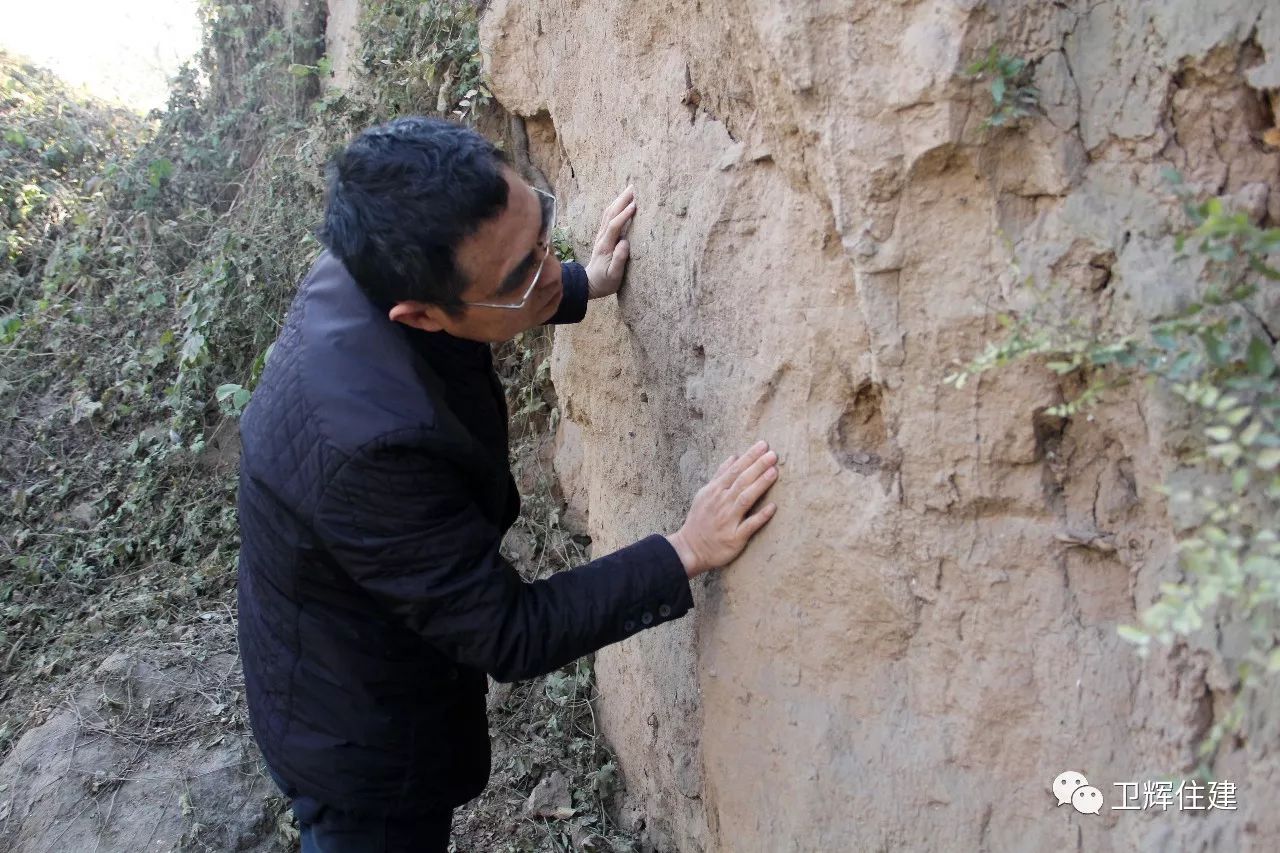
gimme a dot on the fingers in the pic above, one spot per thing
(753, 453)
(610, 233)
(720, 522)
(724, 466)
(617, 206)
(621, 252)
(754, 489)
(754, 471)
(613, 211)
(752, 523)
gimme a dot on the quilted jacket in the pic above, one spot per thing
(374, 492)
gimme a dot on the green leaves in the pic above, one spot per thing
(1258, 358)
(193, 349)
(424, 57)
(1012, 98)
(998, 86)
(562, 244)
(322, 68)
(10, 325)
(233, 398)
(1210, 355)
(159, 172)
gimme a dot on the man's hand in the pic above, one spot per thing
(718, 528)
(610, 251)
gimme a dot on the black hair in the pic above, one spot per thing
(401, 197)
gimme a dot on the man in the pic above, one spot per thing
(375, 489)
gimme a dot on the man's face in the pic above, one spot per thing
(499, 260)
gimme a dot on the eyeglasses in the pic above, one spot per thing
(548, 203)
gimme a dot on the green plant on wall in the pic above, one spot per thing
(1219, 359)
(1012, 95)
(562, 244)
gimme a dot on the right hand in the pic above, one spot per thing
(718, 527)
(611, 249)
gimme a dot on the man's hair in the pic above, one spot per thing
(401, 197)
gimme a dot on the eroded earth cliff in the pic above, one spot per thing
(911, 652)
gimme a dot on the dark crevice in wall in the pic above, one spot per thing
(858, 438)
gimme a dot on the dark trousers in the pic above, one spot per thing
(328, 830)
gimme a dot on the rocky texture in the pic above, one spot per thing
(915, 648)
(552, 797)
(152, 753)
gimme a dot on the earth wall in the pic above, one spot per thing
(925, 636)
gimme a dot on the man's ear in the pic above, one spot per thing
(419, 315)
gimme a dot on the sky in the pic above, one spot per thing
(120, 50)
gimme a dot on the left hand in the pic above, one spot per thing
(610, 252)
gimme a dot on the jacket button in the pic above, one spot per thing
(647, 618)
(628, 626)
(664, 611)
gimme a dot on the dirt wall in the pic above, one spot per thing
(911, 653)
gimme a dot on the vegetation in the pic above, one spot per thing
(1012, 96)
(147, 267)
(1218, 359)
(140, 273)
(426, 58)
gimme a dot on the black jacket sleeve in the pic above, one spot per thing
(402, 524)
(573, 305)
